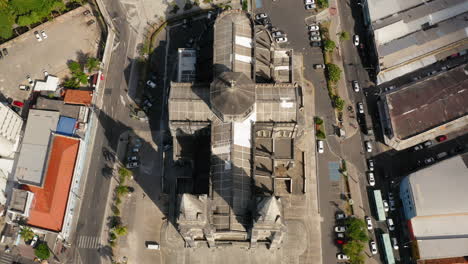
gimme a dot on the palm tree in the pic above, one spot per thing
(120, 230)
(122, 190)
(26, 233)
(92, 64)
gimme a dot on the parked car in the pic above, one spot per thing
(370, 164)
(385, 205)
(427, 143)
(316, 44)
(315, 38)
(360, 108)
(132, 165)
(441, 155)
(368, 145)
(373, 247)
(369, 223)
(340, 235)
(132, 158)
(34, 241)
(17, 103)
(320, 146)
(281, 39)
(342, 256)
(394, 243)
(43, 34)
(190, 43)
(371, 178)
(261, 16)
(355, 86)
(30, 81)
(313, 27)
(319, 66)
(89, 23)
(308, 2)
(152, 245)
(38, 37)
(151, 84)
(277, 34)
(340, 216)
(441, 138)
(356, 40)
(429, 160)
(24, 87)
(340, 229)
(314, 33)
(86, 12)
(391, 225)
(418, 147)
(5, 52)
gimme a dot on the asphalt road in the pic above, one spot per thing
(91, 218)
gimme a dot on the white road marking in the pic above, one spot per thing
(88, 242)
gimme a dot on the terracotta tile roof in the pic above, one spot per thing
(50, 201)
(78, 97)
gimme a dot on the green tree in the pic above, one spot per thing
(42, 251)
(245, 5)
(333, 72)
(124, 173)
(343, 35)
(122, 190)
(338, 103)
(329, 45)
(356, 229)
(320, 134)
(70, 83)
(92, 64)
(353, 249)
(74, 67)
(318, 120)
(322, 3)
(6, 24)
(120, 230)
(26, 233)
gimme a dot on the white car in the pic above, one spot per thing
(391, 225)
(151, 84)
(368, 146)
(319, 66)
(281, 39)
(261, 16)
(373, 247)
(313, 27)
(371, 178)
(44, 35)
(385, 205)
(370, 164)
(320, 146)
(310, 6)
(340, 229)
(314, 33)
(46, 73)
(342, 256)
(360, 107)
(315, 38)
(369, 223)
(308, 2)
(38, 37)
(30, 81)
(277, 34)
(356, 40)
(394, 243)
(34, 241)
(355, 86)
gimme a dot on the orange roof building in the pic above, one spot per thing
(50, 202)
(78, 97)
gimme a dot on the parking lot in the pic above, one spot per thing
(68, 38)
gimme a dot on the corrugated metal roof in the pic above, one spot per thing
(66, 126)
(49, 205)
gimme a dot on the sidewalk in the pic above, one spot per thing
(350, 124)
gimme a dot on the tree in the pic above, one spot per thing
(74, 67)
(42, 251)
(338, 103)
(26, 233)
(329, 45)
(245, 5)
(70, 83)
(318, 120)
(320, 134)
(353, 249)
(322, 3)
(120, 230)
(6, 24)
(92, 64)
(122, 190)
(343, 35)
(124, 173)
(357, 229)
(333, 72)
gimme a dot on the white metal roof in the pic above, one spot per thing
(379, 9)
(443, 248)
(50, 84)
(441, 188)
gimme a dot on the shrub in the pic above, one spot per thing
(344, 35)
(333, 72)
(329, 45)
(42, 251)
(322, 3)
(26, 233)
(338, 103)
(245, 5)
(120, 230)
(318, 120)
(320, 134)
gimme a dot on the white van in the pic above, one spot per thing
(152, 245)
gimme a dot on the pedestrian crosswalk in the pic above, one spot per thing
(6, 258)
(89, 242)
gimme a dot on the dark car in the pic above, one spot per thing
(441, 138)
(316, 44)
(89, 23)
(5, 51)
(1, 56)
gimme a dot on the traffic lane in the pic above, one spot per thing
(329, 193)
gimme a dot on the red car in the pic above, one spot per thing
(441, 138)
(17, 103)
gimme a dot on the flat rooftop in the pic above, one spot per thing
(429, 103)
(50, 202)
(35, 145)
(443, 248)
(431, 198)
(379, 9)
